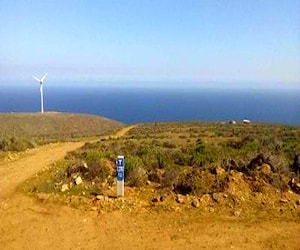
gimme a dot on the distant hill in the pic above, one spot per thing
(54, 126)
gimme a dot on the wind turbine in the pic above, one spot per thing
(41, 81)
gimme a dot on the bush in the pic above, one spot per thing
(135, 174)
(100, 169)
(155, 175)
(15, 144)
(170, 177)
(196, 182)
(181, 158)
(91, 170)
(162, 159)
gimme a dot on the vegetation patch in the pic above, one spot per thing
(21, 131)
(227, 165)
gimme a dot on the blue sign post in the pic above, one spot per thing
(120, 175)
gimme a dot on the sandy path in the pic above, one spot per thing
(17, 171)
(27, 223)
(123, 131)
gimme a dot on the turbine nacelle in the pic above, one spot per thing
(41, 81)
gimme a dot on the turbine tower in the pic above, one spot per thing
(41, 81)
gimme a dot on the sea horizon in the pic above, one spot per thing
(145, 104)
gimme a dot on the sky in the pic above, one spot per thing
(151, 41)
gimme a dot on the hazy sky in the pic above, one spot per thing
(151, 40)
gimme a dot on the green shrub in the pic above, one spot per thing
(251, 147)
(135, 173)
(163, 159)
(182, 159)
(195, 182)
(15, 144)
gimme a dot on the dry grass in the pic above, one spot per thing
(54, 126)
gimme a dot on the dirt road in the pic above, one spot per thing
(28, 223)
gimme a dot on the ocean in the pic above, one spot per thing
(138, 105)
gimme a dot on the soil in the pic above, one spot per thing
(30, 223)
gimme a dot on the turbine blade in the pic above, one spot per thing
(43, 78)
(34, 77)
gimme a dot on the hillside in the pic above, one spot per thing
(240, 165)
(53, 126)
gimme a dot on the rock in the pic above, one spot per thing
(94, 208)
(57, 184)
(266, 169)
(74, 175)
(211, 210)
(148, 182)
(64, 188)
(99, 197)
(42, 196)
(4, 206)
(10, 157)
(237, 213)
(206, 199)
(156, 199)
(163, 197)
(220, 171)
(195, 203)
(283, 200)
(85, 165)
(215, 197)
(78, 180)
(294, 186)
(180, 199)
(298, 202)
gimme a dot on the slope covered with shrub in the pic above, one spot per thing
(19, 131)
(189, 159)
